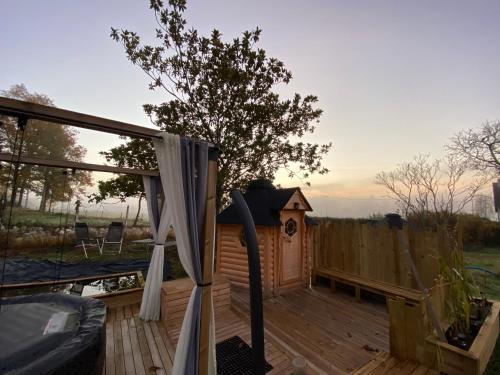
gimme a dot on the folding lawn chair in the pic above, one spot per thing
(82, 238)
(114, 235)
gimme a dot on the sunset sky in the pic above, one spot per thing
(394, 78)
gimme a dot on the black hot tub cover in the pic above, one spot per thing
(52, 334)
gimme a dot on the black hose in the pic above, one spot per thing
(256, 310)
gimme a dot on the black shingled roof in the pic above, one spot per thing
(265, 203)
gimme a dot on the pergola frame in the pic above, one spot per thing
(26, 111)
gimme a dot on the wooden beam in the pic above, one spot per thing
(5, 157)
(19, 108)
(16, 108)
(206, 294)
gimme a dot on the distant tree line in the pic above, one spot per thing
(444, 187)
(42, 140)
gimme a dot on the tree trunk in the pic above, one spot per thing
(26, 200)
(50, 202)
(45, 197)
(14, 186)
(138, 211)
(45, 192)
(20, 197)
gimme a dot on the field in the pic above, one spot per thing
(34, 218)
(489, 260)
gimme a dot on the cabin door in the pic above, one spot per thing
(291, 249)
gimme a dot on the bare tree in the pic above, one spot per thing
(478, 148)
(423, 185)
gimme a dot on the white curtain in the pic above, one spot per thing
(160, 223)
(183, 172)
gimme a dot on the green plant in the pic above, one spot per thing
(461, 291)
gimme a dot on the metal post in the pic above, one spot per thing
(256, 309)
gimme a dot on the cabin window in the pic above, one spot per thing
(290, 227)
(243, 240)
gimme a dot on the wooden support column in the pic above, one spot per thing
(358, 293)
(333, 285)
(207, 267)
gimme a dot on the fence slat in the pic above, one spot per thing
(370, 250)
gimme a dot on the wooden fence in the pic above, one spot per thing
(371, 250)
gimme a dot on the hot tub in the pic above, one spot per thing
(52, 334)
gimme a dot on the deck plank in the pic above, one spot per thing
(384, 364)
(155, 354)
(160, 344)
(136, 350)
(110, 349)
(127, 349)
(118, 342)
(143, 345)
(334, 333)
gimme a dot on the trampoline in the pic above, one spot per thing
(52, 334)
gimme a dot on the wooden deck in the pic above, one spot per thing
(336, 335)
(333, 332)
(134, 346)
(137, 347)
(383, 363)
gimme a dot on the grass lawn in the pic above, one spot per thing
(34, 218)
(488, 258)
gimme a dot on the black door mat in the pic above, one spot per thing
(234, 357)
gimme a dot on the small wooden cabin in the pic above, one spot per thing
(282, 233)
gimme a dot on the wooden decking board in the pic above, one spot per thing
(146, 348)
(117, 332)
(166, 340)
(368, 310)
(420, 370)
(332, 331)
(319, 339)
(348, 324)
(374, 364)
(343, 309)
(143, 345)
(155, 354)
(313, 324)
(384, 364)
(136, 350)
(110, 348)
(288, 337)
(162, 350)
(127, 349)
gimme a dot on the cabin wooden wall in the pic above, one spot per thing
(371, 250)
(232, 258)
